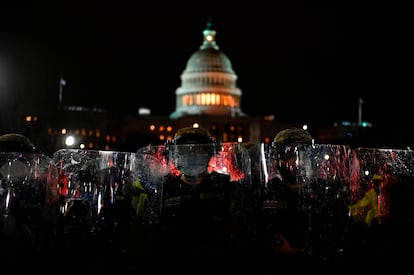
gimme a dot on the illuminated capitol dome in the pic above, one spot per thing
(208, 83)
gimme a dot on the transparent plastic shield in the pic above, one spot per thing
(152, 167)
(329, 166)
(28, 196)
(267, 160)
(192, 161)
(303, 165)
(309, 182)
(381, 208)
(95, 189)
(379, 178)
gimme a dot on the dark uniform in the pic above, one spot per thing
(28, 204)
(200, 216)
(280, 222)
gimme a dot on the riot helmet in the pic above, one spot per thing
(193, 149)
(293, 135)
(191, 135)
(13, 142)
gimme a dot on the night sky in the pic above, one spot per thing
(296, 62)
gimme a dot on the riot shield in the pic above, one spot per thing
(97, 209)
(28, 195)
(195, 197)
(304, 195)
(381, 208)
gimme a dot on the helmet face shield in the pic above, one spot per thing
(192, 159)
(191, 150)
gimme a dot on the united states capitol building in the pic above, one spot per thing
(208, 97)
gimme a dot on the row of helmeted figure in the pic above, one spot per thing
(314, 202)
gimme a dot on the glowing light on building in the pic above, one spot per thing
(70, 140)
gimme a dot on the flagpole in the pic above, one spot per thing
(60, 94)
(360, 111)
(62, 82)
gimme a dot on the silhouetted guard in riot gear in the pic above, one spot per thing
(200, 184)
(302, 209)
(100, 228)
(28, 205)
(280, 225)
